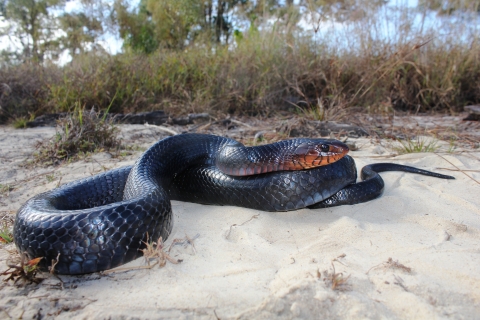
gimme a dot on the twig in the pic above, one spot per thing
(10, 317)
(450, 169)
(162, 128)
(39, 297)
(239, 225)
(187, 239)
(31, 178)
(462, 171)
(130, 268)
(400, 282)
(343, 255)
(390, 263)
(337, 280)
(240, 123)
(202, 127)
(54, 263)
(101, 165)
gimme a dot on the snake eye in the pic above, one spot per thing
(325, 148)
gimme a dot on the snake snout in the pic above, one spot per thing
(337, 149)
(320, 152)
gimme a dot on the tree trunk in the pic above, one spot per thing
(219, 20)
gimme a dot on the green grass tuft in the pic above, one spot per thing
(417, 145)
(5, 189)
(20, 123)
(6, 235)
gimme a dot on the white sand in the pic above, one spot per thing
(253, 264)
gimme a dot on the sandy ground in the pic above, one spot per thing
(413, 253)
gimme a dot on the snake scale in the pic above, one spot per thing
(103, 221)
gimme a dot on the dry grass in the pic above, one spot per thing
(154, 251)
(358, 65)
(336, 281)
(24, 90)
(81, 132)
(21, 268)
(391, 264)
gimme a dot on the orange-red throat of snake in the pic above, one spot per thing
(309, 155)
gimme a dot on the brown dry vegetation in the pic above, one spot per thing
(263, 72)
(80, 132)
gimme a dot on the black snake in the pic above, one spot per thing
(101, 222)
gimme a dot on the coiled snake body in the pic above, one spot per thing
(102, 222)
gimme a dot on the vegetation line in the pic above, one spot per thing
(312, 58)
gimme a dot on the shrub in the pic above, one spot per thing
(80, 132)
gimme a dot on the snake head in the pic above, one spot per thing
(319, 152)
(296, 154)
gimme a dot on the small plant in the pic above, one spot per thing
(155, 251)
(417, 145)
(50, 177)
(6, 222)
(128, 150)
(452, 146)
(5, 189)
(313, 112)
(6, 235)
(336, 281)
(20, 123)
(24, 269)
(81, 132)
(320, 112)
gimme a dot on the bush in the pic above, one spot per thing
(265, 71)
(80, 132)
(24, 90)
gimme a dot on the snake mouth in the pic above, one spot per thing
(316, 154)
(336, 151)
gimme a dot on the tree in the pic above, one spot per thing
(31, 25)
(80, 30)
(177, 23)
(174, 20)
(341, 10)
(448, 7)
(220, 17)
(40, 29)
(135, 26)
